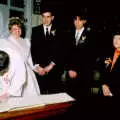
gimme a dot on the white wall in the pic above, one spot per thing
(32, 19)
(36, 20)
(28, 17)
(4, 14)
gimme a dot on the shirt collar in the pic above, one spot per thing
(80, 30)
(117, 52)
(49, 28)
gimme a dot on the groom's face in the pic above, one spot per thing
(47, 18)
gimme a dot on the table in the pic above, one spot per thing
(36, 112)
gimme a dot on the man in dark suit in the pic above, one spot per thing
(80, 58)
(45, 53)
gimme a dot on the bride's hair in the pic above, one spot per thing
(15, 21)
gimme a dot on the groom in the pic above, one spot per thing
(46, 52)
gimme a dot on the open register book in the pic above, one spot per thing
(18, 103)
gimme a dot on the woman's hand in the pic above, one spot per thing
(4, 97)
(108, 61)
(106, 90)
(39, 70)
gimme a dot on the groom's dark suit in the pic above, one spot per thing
(44, 51)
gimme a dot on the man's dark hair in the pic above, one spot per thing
(82, 16)
(46, 7)
(4, 61)
(44, 10)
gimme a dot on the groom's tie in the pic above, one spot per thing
(47, 33)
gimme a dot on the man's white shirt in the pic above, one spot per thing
(78, 34)
(49, 28)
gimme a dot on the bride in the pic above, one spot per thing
(20, 75)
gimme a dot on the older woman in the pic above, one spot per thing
(20, 75)
(111, 86)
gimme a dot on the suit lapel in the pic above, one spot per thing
(53, 31)
(43, 33)
(82, 37)
(73, 35)
(83, 34)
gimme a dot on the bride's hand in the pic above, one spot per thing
(39, 70)
(4, 97)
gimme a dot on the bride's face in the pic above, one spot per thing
(16, 31)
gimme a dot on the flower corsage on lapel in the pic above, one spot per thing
(53, 32)
(82, 40)
(108, 61)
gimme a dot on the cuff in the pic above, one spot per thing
(36, 65)
(53, 63)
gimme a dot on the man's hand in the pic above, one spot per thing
(48, 68)
(106, 90)
(72, 74)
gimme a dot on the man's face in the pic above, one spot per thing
(47, 18)
(116, 41)
(79, 23)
